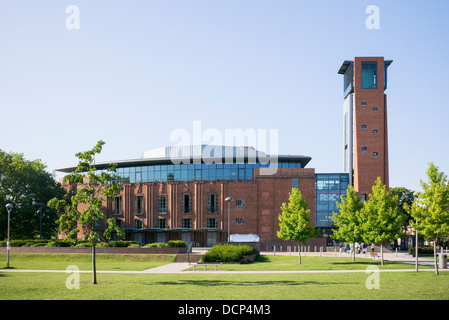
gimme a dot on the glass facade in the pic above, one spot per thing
(193, 172)
(369, 75)
(328, 190)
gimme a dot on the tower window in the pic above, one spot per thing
(364, 104)
(363, 126)
(364, 149)
(375, 131)
(369, 75)
(375, 155)
(375, 109)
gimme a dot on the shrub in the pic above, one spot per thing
(103, 245)
(157, 245)
(177, 244)
(227, 253)
(121, 244)
(421, 250)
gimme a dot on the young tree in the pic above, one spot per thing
(294, 220)
(348, 222)
(431, 208)
(382, 221)
(85, 205)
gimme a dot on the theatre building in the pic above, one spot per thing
(163, 201)
(185, 192)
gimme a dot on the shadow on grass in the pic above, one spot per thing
(215, 283)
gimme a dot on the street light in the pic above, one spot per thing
(229, 199)
(40, 204)
(416, 195)
(8, 248)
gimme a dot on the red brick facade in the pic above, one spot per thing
(370, 111)
(263, 197)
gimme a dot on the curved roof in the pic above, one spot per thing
(207, 154)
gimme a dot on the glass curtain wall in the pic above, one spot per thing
(193, 172)
(328, 189)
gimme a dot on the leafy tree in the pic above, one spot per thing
(405, 196)
(23, 183)
(85, 208)
(348, 220)
(382, 220)
(431, 208)
(294, 220)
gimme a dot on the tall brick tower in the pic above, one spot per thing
(365, 136)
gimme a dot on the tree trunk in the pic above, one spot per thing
(435, 255)
(299, 252)
(381, 253)
(94, 266)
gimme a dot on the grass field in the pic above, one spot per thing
(60, 261)
(212, 286)
(327, 286)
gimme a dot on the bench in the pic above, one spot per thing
(207, 264)
(374, 255)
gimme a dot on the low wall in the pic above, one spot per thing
(97, 250)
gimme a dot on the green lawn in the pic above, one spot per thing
(393, 285)
(211, 286)
(60, 261)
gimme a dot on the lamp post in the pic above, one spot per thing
(40, 204)
(8, 248)
(416, 195)
(229, 199)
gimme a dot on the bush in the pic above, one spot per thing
(102, 245)
(421, 250)
(227, 253)
(177, 244)
(121, 244)
(157, 245)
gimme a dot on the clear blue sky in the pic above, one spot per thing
(137, 70)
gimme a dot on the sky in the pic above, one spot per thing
(132, 73)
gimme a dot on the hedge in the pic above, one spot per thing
(177, 244)
(64, 243)
(422, 250)
(227, 253)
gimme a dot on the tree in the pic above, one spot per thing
(294, 220)
(431, 208)
(84, 209)
(382, 221)
(348, 222)
(23, 183)
(406, 197)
